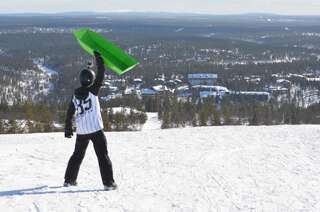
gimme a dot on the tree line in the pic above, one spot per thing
(41, 117)
(174, 113)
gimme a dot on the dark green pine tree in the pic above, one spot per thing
(294, 111)
(142, 118)
(132, 119)
(2, 130)
(166, 120)
(38, 127)
(111, 119)
(216, 117)
(30, 126)
(267, 120)
(254, 119)
(119, 120)
(106, 121)
(226, 113)
(204, 115)
(12, 126)
(175, 119)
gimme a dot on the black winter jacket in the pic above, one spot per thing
(83, 92)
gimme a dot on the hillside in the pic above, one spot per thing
(234, 168)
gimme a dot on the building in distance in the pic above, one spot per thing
(202, 79)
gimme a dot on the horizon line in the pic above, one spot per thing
(169, 12)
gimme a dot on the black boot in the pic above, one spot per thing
(68, 184)
(111, 186)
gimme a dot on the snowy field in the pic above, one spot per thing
(236, 168)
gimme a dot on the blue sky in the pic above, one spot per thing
(306, 7)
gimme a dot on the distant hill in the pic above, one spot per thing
(155, 14)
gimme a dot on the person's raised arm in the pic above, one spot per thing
(100, 75)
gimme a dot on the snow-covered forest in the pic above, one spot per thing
(267, 66)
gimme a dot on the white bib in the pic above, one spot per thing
(88, 114)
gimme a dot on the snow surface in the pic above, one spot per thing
(125, 110)
(47, 70)
(234, 168)
(152, 123)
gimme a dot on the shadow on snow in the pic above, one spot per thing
(37, 191)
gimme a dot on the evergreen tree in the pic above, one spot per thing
(111, 118)
(28, 110)
(48, 127)
(217, 117)
(30, 126)
(203, 115)
(38, 127)
(2, 130)
(106, 120)
(286, 114)
(181, 114)
(226, 114)
(254, 120)
(132, 119)
(267, 115)
(12, 126)
(119, 120)
(166, 120)
(142, 118)
(175, 118)
(294, 113)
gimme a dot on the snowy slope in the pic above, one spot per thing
(152, 123)
(234, 168)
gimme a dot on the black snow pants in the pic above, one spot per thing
(100, 146)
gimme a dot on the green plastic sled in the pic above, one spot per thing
(114, 57)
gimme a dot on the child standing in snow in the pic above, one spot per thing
(89, 126)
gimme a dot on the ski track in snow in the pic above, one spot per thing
(232, 168)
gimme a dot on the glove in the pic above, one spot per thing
(99, 59)
(68, 133)
(96, 54)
